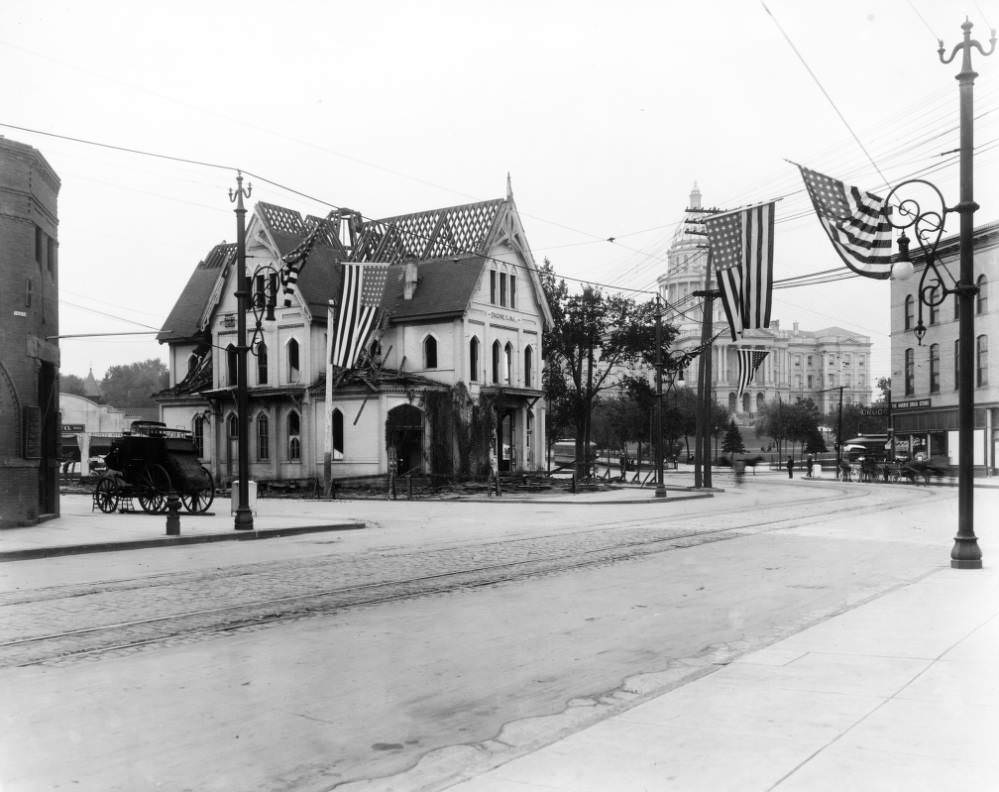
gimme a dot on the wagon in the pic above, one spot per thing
(150, 463)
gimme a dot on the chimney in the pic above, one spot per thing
(409, 280)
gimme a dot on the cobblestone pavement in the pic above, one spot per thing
(68, 623)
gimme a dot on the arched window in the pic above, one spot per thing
(745, 402)
(731, 402)
(982, 298)
(473, 360)
(294, 437)
(232, 365)
(508, 364)
(337, 434)
(910, 372)
(232, 426)
(430, 352)
(909, 316)
(528, 367)
(934, 368)
(760, 401)
(982, 361)
(934, 307)
(198, 434)
(262, 364)
(496, 361)
(294, 372)
(263, 438)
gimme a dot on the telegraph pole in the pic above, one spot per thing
(702, 443)
(244, 516)
(660, 484)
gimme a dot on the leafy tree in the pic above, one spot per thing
(884, 385)
(133, 384)
(70, 383)
(789, 423)
(732, 442)
(593, 335)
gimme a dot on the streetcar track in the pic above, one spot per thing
(262, 612)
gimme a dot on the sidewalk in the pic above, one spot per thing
(897, 694)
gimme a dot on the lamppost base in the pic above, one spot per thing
(244, 519)
(660, 492)
(966, 553)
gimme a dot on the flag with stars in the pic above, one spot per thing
(855, 221)
(749, 361)
(742, 251)
(360, 310)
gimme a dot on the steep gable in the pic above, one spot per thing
(190, 314)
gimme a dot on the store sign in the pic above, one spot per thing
(73, 428)
(874, 411)
(911, 404)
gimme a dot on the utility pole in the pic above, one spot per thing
(244, 516)
(702, 442)
(660, 485)
(839, 432)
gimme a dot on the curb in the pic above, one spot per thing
(172, 541)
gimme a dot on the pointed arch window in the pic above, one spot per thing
(262, 364)
(508, 363)
(473, 360)
(430, 352)
(496, 361)
(528, 367)
(232, 426)
(337, 438)
(263, 438)
(198, 434)
(294, 431)
(231, 364)
(909, 315)
(294, 371)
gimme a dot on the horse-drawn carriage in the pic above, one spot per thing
(150, 463)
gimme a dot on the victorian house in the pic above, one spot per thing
(453, 370)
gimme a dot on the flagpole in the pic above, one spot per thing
(328, 403)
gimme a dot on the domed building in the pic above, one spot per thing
(801, 364)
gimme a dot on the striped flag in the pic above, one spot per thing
(742, 249)
(360, 310)
(295, 259)
(749, 361)
(856, 223)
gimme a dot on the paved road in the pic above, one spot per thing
(338, 660)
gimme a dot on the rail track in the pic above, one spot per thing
(444, 569)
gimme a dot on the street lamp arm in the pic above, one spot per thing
(966, 46)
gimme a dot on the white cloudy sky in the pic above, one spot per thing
(603, 113)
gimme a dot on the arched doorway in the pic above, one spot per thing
(506, 456)
(404, 439)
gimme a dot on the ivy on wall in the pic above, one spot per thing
(461, 429)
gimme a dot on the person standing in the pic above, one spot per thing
(790, 467)
(809, 465)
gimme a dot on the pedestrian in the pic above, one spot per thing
(790, 467)
(739, 468)
(808, 466)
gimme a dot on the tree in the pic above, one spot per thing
(884, 385)
(732, 442)
(70, 383)
(134, 384)
(789, 423)
(592, 335)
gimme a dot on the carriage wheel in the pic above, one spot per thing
(154, 484)
(199, 501)
(106, 494)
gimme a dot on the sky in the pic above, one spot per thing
(603, 115)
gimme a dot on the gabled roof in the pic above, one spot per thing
(186, 320)
(445, 289)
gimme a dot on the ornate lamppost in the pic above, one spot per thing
(244, 516)
(936, 283)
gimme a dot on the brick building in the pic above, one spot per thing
(29, 363)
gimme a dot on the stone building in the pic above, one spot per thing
(801, 364)
(458, 357)
(29, 323)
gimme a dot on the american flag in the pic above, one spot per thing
(749, 361)
(294, 261)
(360, 310)
(742, 249)
(856, 222)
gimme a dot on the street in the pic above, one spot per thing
(445, 635)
